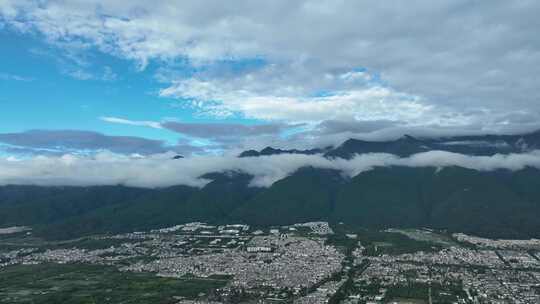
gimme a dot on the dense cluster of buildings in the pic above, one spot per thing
(280, 263)
(498, 244)
(484, 275)
(273, 261)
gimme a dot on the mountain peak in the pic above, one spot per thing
(275, 151)
(409, 138)
(270, 151)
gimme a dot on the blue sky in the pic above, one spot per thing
(46, 87)
(48, 96)
(199, 78)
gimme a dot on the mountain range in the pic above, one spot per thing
(501, 203)
(483, 145)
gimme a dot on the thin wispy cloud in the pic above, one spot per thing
(145, 123)
(7, 76)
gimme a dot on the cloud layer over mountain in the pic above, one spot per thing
(160, 170)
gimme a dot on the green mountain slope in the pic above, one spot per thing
(158, 208)
(30, 205)
(498, 204)
(383, 197)
(307, 195)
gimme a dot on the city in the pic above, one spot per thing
(306, 263)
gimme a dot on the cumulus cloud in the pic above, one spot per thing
(479, 62)
(160, 170)
(222, 98)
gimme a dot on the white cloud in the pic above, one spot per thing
(227, 97)
(161, 170)
(481, 60)
(142, 123)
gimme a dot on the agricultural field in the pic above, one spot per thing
(82, 283)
